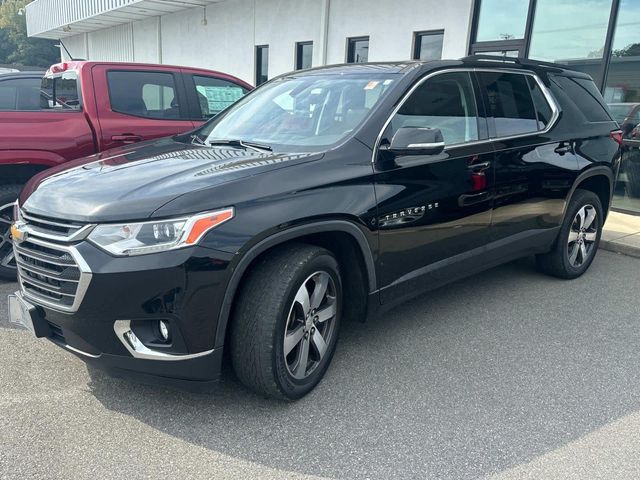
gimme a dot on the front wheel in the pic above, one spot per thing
(578, 239)
(8, 195)
(285, 324)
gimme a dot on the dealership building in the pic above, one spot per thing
(259, 39)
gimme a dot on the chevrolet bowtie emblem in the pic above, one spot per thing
(18, 235)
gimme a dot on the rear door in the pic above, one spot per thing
(208, 95)
(535, 165)
(139, 103)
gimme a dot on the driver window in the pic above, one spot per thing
(446, 102)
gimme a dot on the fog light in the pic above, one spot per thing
(164, 330)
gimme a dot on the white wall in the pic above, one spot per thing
(234, 27)
(390, 25)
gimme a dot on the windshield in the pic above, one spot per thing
(300, 113)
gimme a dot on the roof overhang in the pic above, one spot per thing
(63, 18)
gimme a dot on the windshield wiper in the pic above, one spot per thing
(195, 138)
(258, 147)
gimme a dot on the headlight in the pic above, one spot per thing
(128, 239)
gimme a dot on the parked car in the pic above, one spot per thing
(89, 107)
(628, 116)
(324, 195)
(20, 91)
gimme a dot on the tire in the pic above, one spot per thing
(564, 261)
(269, 304)
(8, 195)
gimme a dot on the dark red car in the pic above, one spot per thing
(89, 107)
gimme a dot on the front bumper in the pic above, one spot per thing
(183, 288)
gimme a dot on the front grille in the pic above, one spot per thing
(46, 227)
(49, 272)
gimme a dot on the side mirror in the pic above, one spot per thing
(417, 141)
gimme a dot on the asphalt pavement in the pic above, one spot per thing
(508, 374)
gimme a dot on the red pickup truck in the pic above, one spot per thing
(89, 107)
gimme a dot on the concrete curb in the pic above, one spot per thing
(616, 247)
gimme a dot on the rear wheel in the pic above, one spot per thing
(285, 325)
(8, 196)
(578, 239)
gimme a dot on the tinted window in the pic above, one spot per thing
(358, 50)
(144, 94)
(428, 45)
(446, 102)
(215, 94)
(262, 64)
(586, 97)
(20, 94)
(543, 109)
(304, 55)
(60, 93)
(510, 103)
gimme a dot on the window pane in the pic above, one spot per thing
(510, 103)
(623, 82)
(215, 94)
(262, 64)
(60, 92)
(543, 109)
(585, 94)
(446, 102)
(304, 55)
(502, 20)
(570, 32)
(428, 46)
(20, 94)
(143, 94)
(8, 95)
(358, 50)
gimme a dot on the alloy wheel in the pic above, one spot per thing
(310, 325)
(7, 259)
(582, 236)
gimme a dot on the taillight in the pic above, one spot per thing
(617, 136)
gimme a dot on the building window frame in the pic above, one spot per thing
(297, 61)
(523, 45)
(415, 45)
(350, 47)
(258, 73)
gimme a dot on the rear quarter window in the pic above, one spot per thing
(585, 95)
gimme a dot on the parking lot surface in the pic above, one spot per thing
(507, 374)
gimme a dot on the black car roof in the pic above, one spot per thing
(474, 61)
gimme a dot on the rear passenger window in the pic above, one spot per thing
(510, 103)
(144, 94)
(586, 97)
(446, 102)
(215, 94)
(543, 109)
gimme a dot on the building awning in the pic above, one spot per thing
(62, 18)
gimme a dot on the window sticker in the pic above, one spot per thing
(219, 98)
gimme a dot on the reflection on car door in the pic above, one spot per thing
(434, 209)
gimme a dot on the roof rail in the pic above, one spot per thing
(525, 62)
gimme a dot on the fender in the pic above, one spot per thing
(591, 172)
(281, 237)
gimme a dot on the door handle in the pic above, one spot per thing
(467, 200)
(479, 166)
(126, 138)
(562, 149)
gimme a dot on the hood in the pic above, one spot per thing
(131, 183)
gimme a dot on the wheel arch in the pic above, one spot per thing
(317, 233)
(599, 180)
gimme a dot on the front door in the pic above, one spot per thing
(435, 210)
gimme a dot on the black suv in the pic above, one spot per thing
(324, 195)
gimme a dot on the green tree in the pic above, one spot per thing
(632, 50)
(15, 46)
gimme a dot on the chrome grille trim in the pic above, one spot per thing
(35, 225)
(52, 274)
